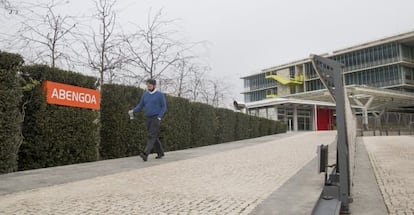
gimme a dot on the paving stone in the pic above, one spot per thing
(393, 161)
(229, 182)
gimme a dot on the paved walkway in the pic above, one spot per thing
(367, 196)
(223, 179)
(27, 180)
(392, 158)
(269, 175)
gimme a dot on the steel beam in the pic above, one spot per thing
(331, 75)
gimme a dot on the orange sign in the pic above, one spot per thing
(73, 96)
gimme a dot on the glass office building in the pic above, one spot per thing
(386, 64)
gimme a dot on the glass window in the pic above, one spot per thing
(349, 61)
(292, 89)
(352, 77)
(376, 56)
(374, 77)
(391, 52)
(354, 62)
(371, 57)
(359, 60)
(377, 78)
(398, 75)
(363, 58)
(370, 78)
(385, 53)
(396, 52)
(292, 72)
(347, 79)
(387, 74)
(342, 59)
(365, 77)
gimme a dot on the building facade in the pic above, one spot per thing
(379, 76)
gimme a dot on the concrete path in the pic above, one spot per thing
(223, 179)
(367, 196)
(27, 180)
(296, 196)
(269, 175)
(392, 158)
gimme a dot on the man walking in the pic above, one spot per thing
(153, 101)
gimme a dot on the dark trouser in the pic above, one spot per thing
(153, 127)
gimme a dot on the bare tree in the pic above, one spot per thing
(205, 93)
(153, 50)
(217, 93)
(6, 5)
(186, 80)
(198, 82)
(213, 92)
(44, 33)
(183, 71)
(103, 46)
(181, 77)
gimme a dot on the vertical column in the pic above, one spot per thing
(295, 118)
(365, 117)
(315, 118)
(276, 113)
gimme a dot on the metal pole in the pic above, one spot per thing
(331, 75)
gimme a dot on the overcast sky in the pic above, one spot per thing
(246, 36)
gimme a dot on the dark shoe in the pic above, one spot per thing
(159, 156)
(144, 157)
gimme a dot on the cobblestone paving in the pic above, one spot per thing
(393, 162)
(230, 182)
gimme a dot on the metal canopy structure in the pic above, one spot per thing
(278, 101)
(367, 100)
(381, 98)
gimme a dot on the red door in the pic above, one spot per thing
(324, 119)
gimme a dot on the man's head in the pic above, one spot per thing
(151, 84)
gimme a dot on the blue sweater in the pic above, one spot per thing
(154, 104)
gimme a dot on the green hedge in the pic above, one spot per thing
(185, 125)
(10, 116)
(203, 125)
(254, 127)
(120, 136)
(176, 125)
(242, 126)
(56, 135)
(264, 127)
(226, 125)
